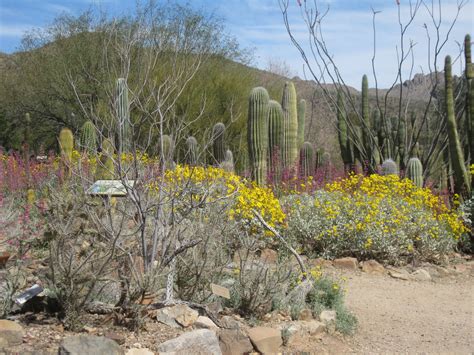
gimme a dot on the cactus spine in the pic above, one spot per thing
(88, 139)
(66, 144)
(105, 169)
(191, 151)
(218, 149)
(461, 177)
(301, 121)
(290, 126)
(414, 171)
(257, 133)
(275, 139)
(306, 160)
(389, 167)
(123, 116)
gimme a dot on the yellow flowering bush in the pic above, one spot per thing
(381, 217)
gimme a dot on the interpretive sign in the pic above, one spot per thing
(112, 188)
(220, 291)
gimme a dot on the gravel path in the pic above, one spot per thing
(397, 316)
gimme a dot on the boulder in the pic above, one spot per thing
(305, 314)
(269, 256)
(199, 342)
(399, 274)
(89, 344)
(234, 342)
(177, 316)
(372, 267)
(11, 333)
(266, 340)
(205, 323)
(346, 263)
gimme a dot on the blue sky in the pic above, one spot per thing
(258, 24)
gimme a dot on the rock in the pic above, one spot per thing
(372, 267)
(421, 275)
(234, 342)
(139, 351)
(205, 323)
(229, 322)
(399, 274)
(305, 314)
(266, 340)
(200, 342)
(89, 344)
(269, 256)
(11, 333)
(329, 320)
(177, 316)
(346, 263)
(119, 339)
(301, 329)
(460, 268)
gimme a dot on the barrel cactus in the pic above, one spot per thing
(389, 167)
(88, 139)
(306, 160)
(290, 127)
(275, 139)
(191, 151)
(228, 163)
(218, 147)
(414, 171)
(257, 133)
(123, 116)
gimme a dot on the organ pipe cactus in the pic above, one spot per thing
(218, 148)
(389, 167)
(301, 121)
(275, 139)
(461, 177)
(66, 144)
(414, 171)
(191, 151)
(257, 133)
(105, 169)
(88, 139)
(290, 126)
(123, 116)
(306, 160)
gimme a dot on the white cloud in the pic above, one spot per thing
(14, 30)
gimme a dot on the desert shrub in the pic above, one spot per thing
(379, 217)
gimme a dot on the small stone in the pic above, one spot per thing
(229, 322)
(329, 320)
(11, 333)
(305, 314)
(139, 351)
(266, 340)
(205, 323)
(401, 275)
(234, 342)
(269, 256)
(421, 275)
(372, 267)
(346, 263)
(461, 268)
(201, 341)
(177, 316)
(119, 339)
(89, 330)
(89, 344)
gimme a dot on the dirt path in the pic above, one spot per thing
(397, 316)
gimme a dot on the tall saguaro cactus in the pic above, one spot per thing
(461, 177)
(414, 171)
(123, 116)
(218, 147)
(469, 73)
(275, 139)
(290, 126)
(257, 133)
(301, 121)
(66, 144)
(88, 139)
(306, 160)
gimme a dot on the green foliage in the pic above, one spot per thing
(257, 133)
(290, 126)
(88, 139)
(414, 171)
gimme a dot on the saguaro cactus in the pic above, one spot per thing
(123, 116)
(66, 144)
(301, 121)
(461, 177)
(257, 133)
(191, 151)
(319, 158)
(218, 147)
(88, 139)
(389, 167)
(344, 142)
(105, 169)
(306, 160)
(290, 126)
(275, 139)
(414, 171)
